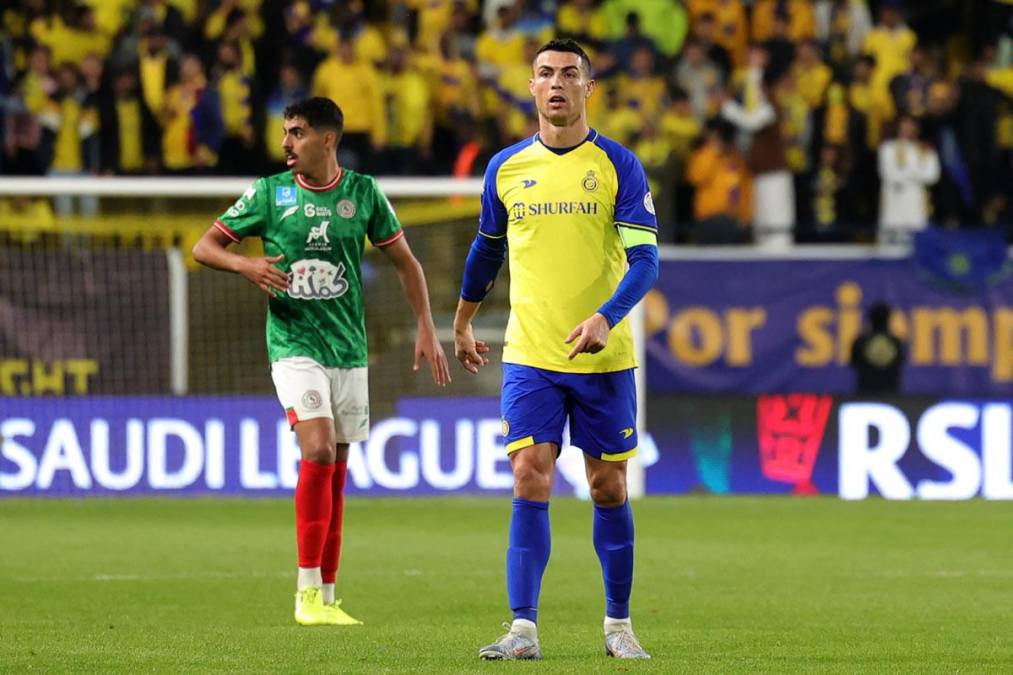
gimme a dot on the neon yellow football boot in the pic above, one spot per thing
(335, 616)
(309, 607)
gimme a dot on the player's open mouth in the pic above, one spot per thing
(560, 100)
(290, 159)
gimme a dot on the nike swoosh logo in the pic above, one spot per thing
(528, 183)
(288, 212)
(627, 432)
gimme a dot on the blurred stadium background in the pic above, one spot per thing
(882, 130)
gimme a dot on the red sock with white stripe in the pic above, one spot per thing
(312, 516)
(332, 547)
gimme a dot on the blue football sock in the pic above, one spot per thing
(613, 541)
(527, 556)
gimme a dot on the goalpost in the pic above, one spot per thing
(168, 213)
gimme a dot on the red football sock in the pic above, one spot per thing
(332, 548)
(312, 510)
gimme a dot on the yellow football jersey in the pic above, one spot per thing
(568, 215)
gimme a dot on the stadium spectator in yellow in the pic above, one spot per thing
(837, 116)
(615, 119)
(153, 60)
(219, 19)
(731, 30)
(795, 113)
(873, 103)
(109, 14)
(454, 86)
(682, 129)
(890, 43)
(654, 151)
(347, 23)
(38, 84)
(191, 121)
(455, 99)
(69, 43)
(436, 17)
(581, 20)
(641, 88)
(72, 123)
(828, 183)
(355, 86)
(800, 14)
(515, 114)
(811, 75)
(129, 133)
(679, 125)
(290, 89)
(724, 190)
(665, 22)
(498, 47)
(410, 111)
(234, 89)
(238, 31)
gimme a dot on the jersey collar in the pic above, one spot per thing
(320, 188)
(591, 135)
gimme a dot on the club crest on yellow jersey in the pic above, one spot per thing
(590, 182)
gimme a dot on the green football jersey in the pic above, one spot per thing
(322, 232)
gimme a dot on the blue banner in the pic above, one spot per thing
(760, 326)
(802, 444)
(243, 445)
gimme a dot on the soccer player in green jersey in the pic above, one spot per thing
(314, 220)
(573, 209)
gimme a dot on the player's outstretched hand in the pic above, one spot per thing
(591, 335)
(469, 351)
(262, 273)
(428, 347)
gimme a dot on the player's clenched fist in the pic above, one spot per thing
(262, 273)
(591, 335)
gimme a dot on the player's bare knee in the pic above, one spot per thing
(319, 453)
(532, 481)
(608, 490)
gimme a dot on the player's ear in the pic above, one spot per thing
(531, 86)
(589, 88)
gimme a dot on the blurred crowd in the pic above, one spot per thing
(757, 120)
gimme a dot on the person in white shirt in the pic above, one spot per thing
(907, 167)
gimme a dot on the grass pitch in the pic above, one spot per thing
(722, 585)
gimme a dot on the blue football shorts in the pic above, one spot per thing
(601, 407)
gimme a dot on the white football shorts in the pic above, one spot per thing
(308, 390)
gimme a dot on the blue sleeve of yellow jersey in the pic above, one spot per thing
(639, 279)
(489, 248)
(492, 222)
(638, 229)
(634, 204)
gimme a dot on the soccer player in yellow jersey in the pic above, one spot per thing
(573, 208)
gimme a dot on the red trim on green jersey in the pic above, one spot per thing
(390, 240)
(320, 188)
(228, 232)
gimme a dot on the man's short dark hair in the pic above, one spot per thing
(567, 45)
(319, 113)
